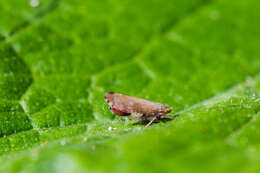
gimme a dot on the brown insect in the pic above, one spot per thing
(144, 110)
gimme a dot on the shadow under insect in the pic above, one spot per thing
(165, 119)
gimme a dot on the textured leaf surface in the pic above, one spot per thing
(58, 58)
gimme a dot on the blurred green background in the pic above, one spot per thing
(59, 57)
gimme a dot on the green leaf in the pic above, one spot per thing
(58, 58)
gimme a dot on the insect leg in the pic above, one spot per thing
(154, 118)
(121, 119)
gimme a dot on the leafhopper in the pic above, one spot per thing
(142, 109)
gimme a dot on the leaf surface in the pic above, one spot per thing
(58, 58)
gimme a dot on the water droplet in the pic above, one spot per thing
(63, 142)
(34, 3)
(58, 100)
(85, 139)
